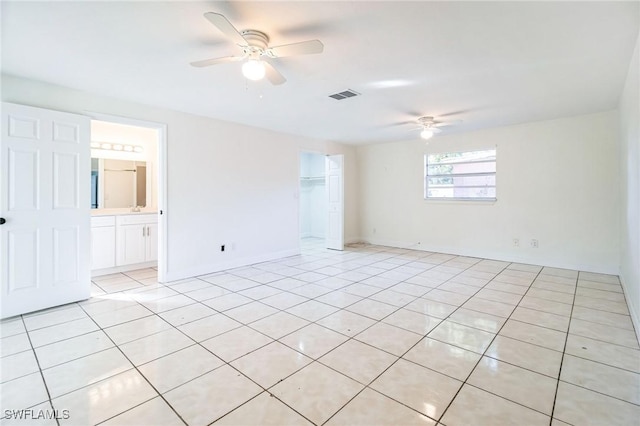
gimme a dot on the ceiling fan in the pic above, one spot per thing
(255, 49)
(429, 126)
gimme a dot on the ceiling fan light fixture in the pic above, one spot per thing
(253, 69)
(426, 133)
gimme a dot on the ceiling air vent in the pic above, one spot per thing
(344, 95)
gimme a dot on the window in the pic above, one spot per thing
(467, 175)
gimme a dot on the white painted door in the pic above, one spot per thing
(45, 199)
(335, 200)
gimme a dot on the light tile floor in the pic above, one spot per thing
(371, 335)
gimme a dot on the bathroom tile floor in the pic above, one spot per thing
(370, 335)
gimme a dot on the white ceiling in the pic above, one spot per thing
(485, 63)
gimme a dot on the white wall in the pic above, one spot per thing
(557, 182)
(630, 170)
(227, 183)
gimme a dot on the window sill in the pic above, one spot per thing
(484, 202)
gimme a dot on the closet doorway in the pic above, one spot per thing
(313, 198)
(322, 200)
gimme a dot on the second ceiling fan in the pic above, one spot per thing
(255, 49)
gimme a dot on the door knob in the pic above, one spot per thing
(2, 220)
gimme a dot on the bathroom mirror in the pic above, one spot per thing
(118, 183)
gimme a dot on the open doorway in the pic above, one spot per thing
(321, 201)
(313, 199)
(128, 187)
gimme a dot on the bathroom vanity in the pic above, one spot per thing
(123, 240)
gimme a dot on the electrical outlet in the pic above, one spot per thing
(374, 230)
(516, 242)
(222, 247)
(534, 243)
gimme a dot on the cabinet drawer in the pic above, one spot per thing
(98, 221)
(136, 219)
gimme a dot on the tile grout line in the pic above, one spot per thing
(344, 308)
(534, 344)
(313, 360)
(564, 350)
(529, 287)
(601, 393)
(196, 343)
(46, 387)
(444, 412)
(281, 290)
(224, 362)
(134, 367)
(178, 350)
(367, 386)
(363, 298)
(156, 314)
(331, 290)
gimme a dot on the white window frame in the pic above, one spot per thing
(471, 174)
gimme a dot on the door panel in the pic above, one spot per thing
(23, 267)
(335, 200)
(66, 132)
(23, 179)
(66, 180)
(45, 199)
(24, 127)
(65, 255)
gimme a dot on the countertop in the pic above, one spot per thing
(120, 212)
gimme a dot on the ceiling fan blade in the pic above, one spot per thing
(215, 61)
(273, 75)
(226, 28)
(445, 124)
(403, 123)
(301, 48)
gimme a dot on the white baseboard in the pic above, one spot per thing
(635, 318)
(635, 315)
(229, 264)
(353, 240)
(236, 263)
(495, 255)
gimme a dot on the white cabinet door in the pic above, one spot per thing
(45, 200)
(131, 241)
(335, 202)
(103, 247)
(152, 242)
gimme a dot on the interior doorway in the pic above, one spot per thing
(313, 199)
(128, 171)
